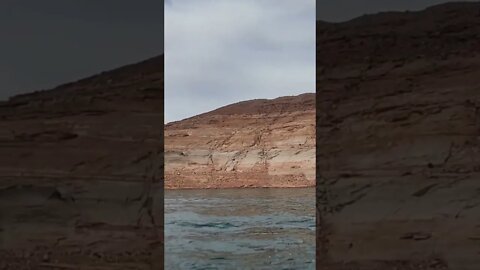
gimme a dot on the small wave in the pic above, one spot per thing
(216, 225)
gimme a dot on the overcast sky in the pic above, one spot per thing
(49, 42)
(222, 51)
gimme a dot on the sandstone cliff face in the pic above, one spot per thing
(259, 143)
(398, 129)
(80, 173)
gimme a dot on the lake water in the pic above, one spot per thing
(240, 229)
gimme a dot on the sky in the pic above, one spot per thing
(50, 42)
(219, 52)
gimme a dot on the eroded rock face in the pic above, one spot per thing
(81, 173)
(399, 140)
(259, 143)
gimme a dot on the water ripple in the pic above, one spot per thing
(240, 229)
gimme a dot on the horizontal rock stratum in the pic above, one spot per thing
(399, 140)
(257, 143)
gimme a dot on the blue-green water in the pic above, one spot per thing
(240, 229)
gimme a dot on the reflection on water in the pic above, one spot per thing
(240, 229)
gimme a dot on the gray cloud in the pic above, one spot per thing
(222, 51)
(50, 42)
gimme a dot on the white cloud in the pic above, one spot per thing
(219, 52)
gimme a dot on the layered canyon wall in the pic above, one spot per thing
(81, 171)
(257, 143)
(398, 132)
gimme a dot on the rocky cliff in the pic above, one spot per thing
(398, 133)
(257, 143)
(80, 173)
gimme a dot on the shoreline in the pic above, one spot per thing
(240, 187)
